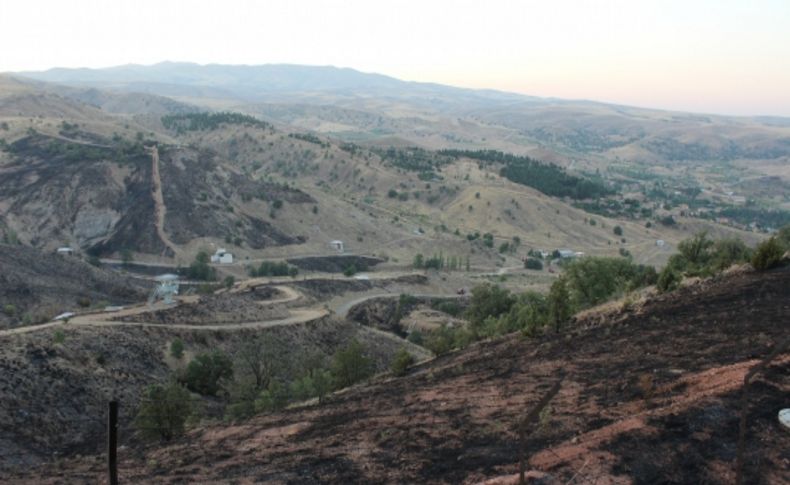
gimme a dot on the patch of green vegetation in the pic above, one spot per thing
(547, 178)
(205, 121)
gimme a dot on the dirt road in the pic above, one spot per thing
(160, 210)
(106, 319)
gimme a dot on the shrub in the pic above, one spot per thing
(177, 348)
(440, 341)
(533, 263)
(229, 281)
(59, 337)
(668, 280)
(768, 254)
(449, 307)
(350, 365)
(350, 270)
(272, 398)
(164, 411)
(415, 337)
(242, 400)
(560, 309)
(617, 230)
(487, 301)
(402, 361)
(9, 310)
(206, 371)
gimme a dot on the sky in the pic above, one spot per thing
(722, 56)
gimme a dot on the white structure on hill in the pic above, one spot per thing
(65, 251)
(222, 257)
(337, 245)
(567, 254)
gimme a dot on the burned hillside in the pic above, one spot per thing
(632, 385)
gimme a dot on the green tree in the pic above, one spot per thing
(418, 261)
(200, 269)
(229, 281)
(487, 301)
(668, 280)
(164, 411)
(617, 230)
(177, 348)
(350, 365)
(768, 254)
(401, 362)
(560, 309)
(533, 263)
(206, 373)
(727, 252)
(273, 398)
(257, 358)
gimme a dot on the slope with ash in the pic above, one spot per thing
(649, 395)
(40, 285)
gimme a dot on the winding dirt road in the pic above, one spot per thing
(106, 319)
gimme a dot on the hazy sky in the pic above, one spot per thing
(719, 56)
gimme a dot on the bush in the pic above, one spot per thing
(205, 373)
(59, 337)
(668, 280)
(593, 280)
(617, 230)
(273, 398)
(768, 254)
(350, 365)
(9, 310)
(487, 301)
(402, 361)
(229, 281)
(200, 269)
(560, 309)
(242, 400)
(449, 307)
(415, 337)
(164, 411)
(350, 270)
(533, 263)
(177, 348)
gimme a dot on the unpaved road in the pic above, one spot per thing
(160, 210)
(105, 319)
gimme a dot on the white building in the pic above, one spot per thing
(567, 254)
(65, 251)
(660, 243)
(222, 257)
(337, 245)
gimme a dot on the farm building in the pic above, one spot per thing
(337, 245)
(222, 257)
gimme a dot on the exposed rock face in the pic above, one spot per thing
(92, 225)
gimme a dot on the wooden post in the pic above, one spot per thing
(112, 443)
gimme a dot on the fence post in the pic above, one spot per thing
(112, 443)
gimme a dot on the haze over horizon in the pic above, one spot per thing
(714, 57)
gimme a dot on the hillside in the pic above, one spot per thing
(647, 395)
(36, 286)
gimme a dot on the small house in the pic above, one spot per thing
(337, 245)
(222, 257)
(65, 251)
(660, 243)
(567, 254)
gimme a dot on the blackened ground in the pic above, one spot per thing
(636, 384)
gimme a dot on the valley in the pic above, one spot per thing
(379, 281)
